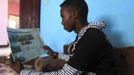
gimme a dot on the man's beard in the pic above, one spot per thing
(73, 28)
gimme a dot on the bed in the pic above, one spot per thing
(5, 69)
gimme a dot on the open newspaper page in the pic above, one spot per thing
(26, 44)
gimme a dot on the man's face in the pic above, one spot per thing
(68, 20)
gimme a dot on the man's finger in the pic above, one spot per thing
(11, 59)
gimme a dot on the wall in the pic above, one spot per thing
(3, 23)
(118, 15)
(13, 9)
(51, 29)
(3, 13)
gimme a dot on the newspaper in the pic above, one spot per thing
(26, 44)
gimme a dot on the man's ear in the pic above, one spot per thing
(76, 13)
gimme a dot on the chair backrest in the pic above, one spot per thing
(126, 60)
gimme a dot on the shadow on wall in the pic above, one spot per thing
(114, 36)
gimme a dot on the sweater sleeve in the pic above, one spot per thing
(66, 70)
(63, 56)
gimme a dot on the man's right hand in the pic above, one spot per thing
(51, 53)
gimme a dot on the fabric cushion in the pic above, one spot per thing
(125, 58)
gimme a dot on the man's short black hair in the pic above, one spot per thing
(79, 5)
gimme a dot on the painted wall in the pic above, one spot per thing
(3, 23)
(3, 13)
(52, 31)
(118, 14)
(13, 9)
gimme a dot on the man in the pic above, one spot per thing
(90, 52)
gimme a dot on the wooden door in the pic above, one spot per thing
(29, 13)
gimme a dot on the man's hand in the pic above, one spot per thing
(47, 64)
(51, 53)
(17, 66)
(41, 63)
